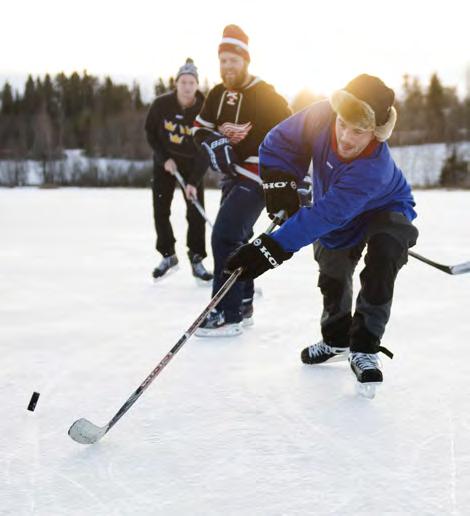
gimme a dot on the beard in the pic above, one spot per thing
(235, 81)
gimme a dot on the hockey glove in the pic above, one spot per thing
(220, 154)
(280, 191)
(257, 257)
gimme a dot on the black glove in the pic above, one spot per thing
(221, 155)
(257, 257)
(280, 191)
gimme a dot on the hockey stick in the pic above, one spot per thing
(460, 268)
(196, 203)
(85, 432)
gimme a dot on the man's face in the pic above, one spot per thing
(186, 86)
(233, 70)
(351, 140)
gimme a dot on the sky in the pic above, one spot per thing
(294, 45)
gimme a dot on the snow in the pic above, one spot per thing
(74, 165)
(233, 426)
(423, 164)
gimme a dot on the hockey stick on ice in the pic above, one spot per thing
(85, 432)
(460, 268)
(196, 203)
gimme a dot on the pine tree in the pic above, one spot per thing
(137, 97)
(160, 87)
(435, 104)
(29, 105)
(8, 104)
(50, 97)
(411, 121)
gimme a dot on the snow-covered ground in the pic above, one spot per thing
(232, 426)
(70, 169)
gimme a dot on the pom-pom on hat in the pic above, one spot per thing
(189, 68)
(366, 102)
(236, 41)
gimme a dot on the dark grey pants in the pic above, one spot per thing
(388, 237)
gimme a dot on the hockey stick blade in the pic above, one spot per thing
(85, 432)
(460, 268)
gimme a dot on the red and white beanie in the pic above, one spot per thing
(236, 41)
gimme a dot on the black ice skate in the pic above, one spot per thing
(169, 263)
(323, 352)
(215, 326)
(366, 367)
(199, 271)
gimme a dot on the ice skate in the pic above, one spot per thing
(215, 326)
(202, 275)
(366, 367)
(322, 352)
(169, 264)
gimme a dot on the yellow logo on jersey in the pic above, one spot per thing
(184, 129)
(170, 126)
(174, 138)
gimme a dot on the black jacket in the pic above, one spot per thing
(168, 127)
(245, 117)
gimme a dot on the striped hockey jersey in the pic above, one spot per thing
(244, 117)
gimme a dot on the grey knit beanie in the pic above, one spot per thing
(189, 68)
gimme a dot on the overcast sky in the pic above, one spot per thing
(294, 44)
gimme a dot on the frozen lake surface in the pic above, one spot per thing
(231, 426)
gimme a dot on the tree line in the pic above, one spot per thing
(107, 119)
(75, 111)
(429, 113)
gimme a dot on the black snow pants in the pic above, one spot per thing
(163, 187)
(389, 235)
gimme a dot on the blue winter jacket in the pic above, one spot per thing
(345, 195)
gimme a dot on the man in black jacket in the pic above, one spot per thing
(234, 120)
(168, 128)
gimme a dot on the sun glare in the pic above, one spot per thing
(293, 45)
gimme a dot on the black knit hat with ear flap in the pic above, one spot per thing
(375, 93)
(366, 102)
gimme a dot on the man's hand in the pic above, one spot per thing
(170, 166)
(191, 192)
(280, 191)
(221, 155)
(257, 257)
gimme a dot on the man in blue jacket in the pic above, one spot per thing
(360, 199)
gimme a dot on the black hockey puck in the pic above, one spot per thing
(33, 401)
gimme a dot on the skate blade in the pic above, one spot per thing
(169, 272)
(232, 331)
(246, 323)
(203, 283)
(337, 358)
(367, 389)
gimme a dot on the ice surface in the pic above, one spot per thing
(232, 426)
